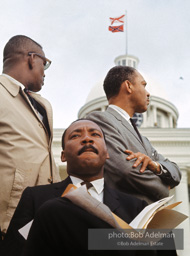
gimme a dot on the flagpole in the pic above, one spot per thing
(126, 30)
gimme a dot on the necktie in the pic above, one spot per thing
(134, 126)
(88, 184)
(40, 110)
(33, 102)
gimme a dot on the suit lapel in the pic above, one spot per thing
(14, 89)
(129, 128)
(11, 87)
(47, 109)
(46, 105)
(110, 198)
(30, 104)
(124, 122)
(61, 186)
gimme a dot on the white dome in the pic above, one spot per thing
(153, 87)
(96, 92)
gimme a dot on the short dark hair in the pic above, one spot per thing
(19, 44)
(80, 119)
(115, 77)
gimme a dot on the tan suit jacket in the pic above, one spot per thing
(26, 157)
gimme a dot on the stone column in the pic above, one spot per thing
(170, 120)
(154, 110)
(103, 108)
(181, 194)
(144, 124)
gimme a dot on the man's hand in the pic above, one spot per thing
(145, 160)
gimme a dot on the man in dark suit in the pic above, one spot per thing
(134, 166)
(61, 226)
(85, 151)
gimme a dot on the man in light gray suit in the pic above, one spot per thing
(134, 167)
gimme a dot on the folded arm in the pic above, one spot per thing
(134, 174)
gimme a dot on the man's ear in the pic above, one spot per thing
(63, 159)
(31, 61)
(128, 86)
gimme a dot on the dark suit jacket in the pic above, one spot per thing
(32, 198)
(126, 207)
(61, 226)
(119, 173)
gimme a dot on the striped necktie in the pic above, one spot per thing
(39, 109)
(33, 102)
(134, 126)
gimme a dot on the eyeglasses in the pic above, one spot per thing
(47, 62)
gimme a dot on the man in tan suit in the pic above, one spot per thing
(26, 126)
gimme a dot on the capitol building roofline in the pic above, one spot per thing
(153, 87)
(161, 112)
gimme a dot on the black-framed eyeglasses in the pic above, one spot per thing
(47, 62)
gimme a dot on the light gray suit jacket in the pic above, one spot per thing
(119, 173)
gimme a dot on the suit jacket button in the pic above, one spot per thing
(50, 180)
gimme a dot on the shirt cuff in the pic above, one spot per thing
(162, 171)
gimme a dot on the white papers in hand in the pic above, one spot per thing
(142, 218)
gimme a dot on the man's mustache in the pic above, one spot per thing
(87, 147)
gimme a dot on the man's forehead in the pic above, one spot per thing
(83, 124)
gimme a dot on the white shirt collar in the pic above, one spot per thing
(98, 185)
(14, 81)
(121, 111)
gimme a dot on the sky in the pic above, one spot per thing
(74, 35)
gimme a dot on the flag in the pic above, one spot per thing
(114, 29)
(118, 19)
